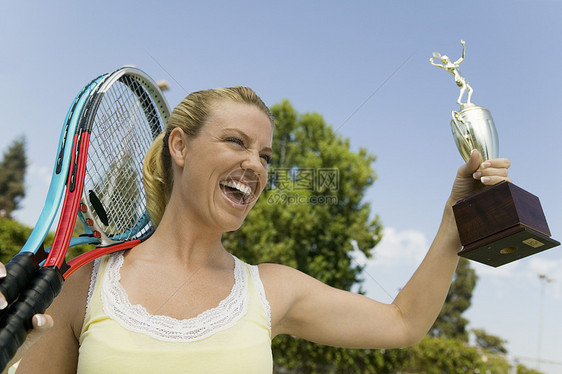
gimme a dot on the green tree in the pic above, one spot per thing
(306, 218)
(445, 355)
(12, 173)
(12, 238)
(490, 342)
(521, 369)
(451, 323)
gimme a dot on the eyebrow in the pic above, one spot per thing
(246, 137)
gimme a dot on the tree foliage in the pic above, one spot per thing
(12, 238)
(490, 342)
(451, 323)
(521, 369)
(12, 173)
(445, 355)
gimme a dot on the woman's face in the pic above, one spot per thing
(226, 165)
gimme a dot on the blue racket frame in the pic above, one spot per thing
(60, 173)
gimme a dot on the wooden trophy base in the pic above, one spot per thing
(501, 224)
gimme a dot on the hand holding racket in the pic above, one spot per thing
(98, 177)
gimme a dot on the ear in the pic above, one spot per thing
(178, 146)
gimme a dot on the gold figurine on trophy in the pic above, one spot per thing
(453, 68)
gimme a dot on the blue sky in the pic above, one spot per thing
(330, 57)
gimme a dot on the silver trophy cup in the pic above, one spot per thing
(474, 128)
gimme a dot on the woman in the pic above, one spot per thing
(181, 303)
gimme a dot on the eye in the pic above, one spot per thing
(267, 158)
(235, 140)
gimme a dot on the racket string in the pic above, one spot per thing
(123, 130)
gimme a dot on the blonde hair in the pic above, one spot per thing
(190, 116)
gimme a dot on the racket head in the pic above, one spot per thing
(129, 113)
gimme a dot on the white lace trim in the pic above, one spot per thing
(135, 317)
(93, 279)
(254, 271)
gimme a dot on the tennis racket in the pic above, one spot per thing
(109, 128)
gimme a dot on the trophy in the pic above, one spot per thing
(502, 223)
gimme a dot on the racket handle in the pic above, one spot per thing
(20, 270)
(36, 299)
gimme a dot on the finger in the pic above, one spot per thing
(497, 163)
(3, 302)
(490, 172)
(472, 164)
(42, 322)
(495, 179)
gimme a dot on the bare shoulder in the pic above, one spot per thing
(284, 286)
(70, 305)
(277, 270)
(276, 280)
(282, 275)
(80, 279)
(283, 279)
(268, 270)
(287, 282)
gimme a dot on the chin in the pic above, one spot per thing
(232, 223)
(233, 227)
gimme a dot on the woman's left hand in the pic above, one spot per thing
(475, 175)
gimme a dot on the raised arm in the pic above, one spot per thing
(461, 59)
(434, 64)
(307, 308)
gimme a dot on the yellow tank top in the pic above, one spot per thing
(117, 337)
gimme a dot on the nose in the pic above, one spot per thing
(256, 163)
(253, 160)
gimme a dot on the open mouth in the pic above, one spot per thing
(240, 187)
(237, 192)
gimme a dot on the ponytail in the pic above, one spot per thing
(157, 178)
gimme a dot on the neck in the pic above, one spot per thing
(179, 238)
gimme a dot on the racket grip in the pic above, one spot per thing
(20, 270)
(17, 322)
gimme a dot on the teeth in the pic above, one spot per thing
(246, 190)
